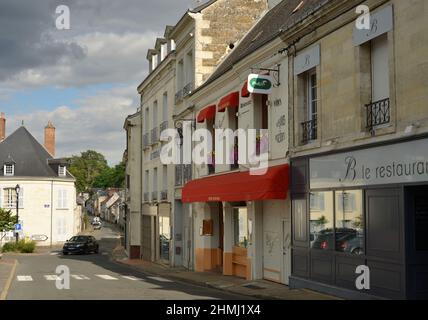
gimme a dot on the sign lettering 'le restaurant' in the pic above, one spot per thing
(400, 163)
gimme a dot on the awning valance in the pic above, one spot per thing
(240, 186)
(244, 91)
(229, 101)
(206, 113)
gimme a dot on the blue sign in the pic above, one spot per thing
(18, 227)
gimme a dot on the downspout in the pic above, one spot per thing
(51, 211)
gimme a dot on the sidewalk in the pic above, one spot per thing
(260, 289)
(7, 268)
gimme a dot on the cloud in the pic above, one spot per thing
(96, 124)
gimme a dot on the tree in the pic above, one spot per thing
(7, 221)
(113, 177)
(86, 168)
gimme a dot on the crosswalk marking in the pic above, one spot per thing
(24, 278)
(131, 278)
(52, 277)
(106, 277)
(79, 277)
(159, 279)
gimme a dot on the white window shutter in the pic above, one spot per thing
(21, 197)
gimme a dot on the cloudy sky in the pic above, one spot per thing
(83, 79)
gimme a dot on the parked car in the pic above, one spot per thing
(81, 245)
(347, 240)
(96, 225)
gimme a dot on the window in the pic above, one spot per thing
(9, 198)
(310, 106)
(62, 199)
(337, 225)
(349, 222)
(62, 171)
(155, 113)
(165, 107)
(9, 170)
(164, 177)
(322, 220)
(180, 75)
(240, 224)
(155, 180)
(380, 68)
(154, 61)
(146, 121)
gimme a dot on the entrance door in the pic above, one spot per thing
(417, 241)
(146, 237)
(272, 242)
(286, 251)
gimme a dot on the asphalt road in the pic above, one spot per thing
(96, 277)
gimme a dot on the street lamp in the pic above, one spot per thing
(17, 190)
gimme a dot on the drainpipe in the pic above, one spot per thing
(51, 211)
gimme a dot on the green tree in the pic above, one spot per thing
(7, 221)
(86, 168)
(113, 177)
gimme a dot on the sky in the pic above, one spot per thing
(84, 79)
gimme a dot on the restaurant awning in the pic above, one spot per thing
(244, 91)
(229, 101)
(239, 186)
(206, 113)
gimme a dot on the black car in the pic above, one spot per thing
(347, 240)
(81, 244)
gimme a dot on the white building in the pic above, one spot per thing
(47, 205)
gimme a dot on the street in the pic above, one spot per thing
(96, 277)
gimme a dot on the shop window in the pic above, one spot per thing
(240, 224)
(322, 220)
(349, 222)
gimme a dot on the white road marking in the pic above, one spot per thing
(131, 278)
(54, 253)
(106, 277)
(24, 278)
(79, 277)
(159, 279)
(52, 277)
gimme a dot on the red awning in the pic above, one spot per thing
(240, 186)
(244, 91)
(229, 101)
(206, 113)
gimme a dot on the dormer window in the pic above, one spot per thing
(9, 170)
(62, 171)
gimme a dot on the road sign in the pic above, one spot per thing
(18, 227)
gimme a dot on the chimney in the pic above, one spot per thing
(2, 126)
(50, 138)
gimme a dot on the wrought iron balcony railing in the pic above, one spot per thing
(146, 140)
(154, 196)
(164, 195)
(378, 113)
(163, 126)
(154, 135)
(188, 88)
(309, 131)
(179, 96)
(178, 175)
(146, 196)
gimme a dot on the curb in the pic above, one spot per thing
(6, 288)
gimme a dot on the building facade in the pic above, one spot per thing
(47, 208)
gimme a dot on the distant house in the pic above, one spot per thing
(47, 205)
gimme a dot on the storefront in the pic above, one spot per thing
(363, 207)
(241, 223)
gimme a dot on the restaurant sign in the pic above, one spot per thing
(405, 162)
(259, 83)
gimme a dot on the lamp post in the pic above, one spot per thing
(17, 189)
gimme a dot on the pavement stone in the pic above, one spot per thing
(260, 289)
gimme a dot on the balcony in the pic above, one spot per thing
(179, 96)
(179, 175)
(188, 88)
(163, 126)
(146, 197)
(154, 135)
(146, 139)
(378, 113)
(154, 196)
(309, 131)
(164, 195)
